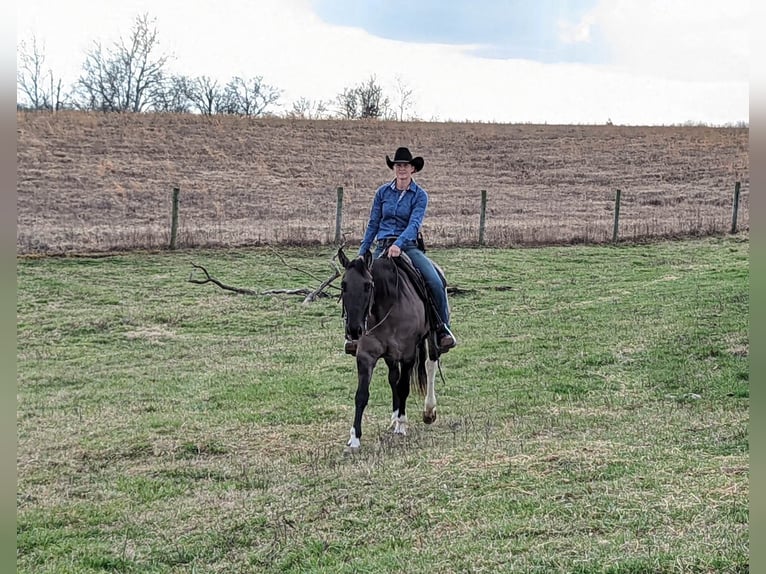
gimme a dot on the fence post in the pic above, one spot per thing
(174, 219)
(338, 215)
(616, 216)
(482, 216)
(735, 208)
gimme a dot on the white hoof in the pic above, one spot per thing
(353, 443)
(394, 419)
(400, 426)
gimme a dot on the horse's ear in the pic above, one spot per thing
(342, 258)
(368, 259)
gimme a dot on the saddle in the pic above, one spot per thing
(404, 263)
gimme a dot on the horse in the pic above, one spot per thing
(385, 313)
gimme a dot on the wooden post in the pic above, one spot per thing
(735, 208)
(338, 216)
(174, 219)
(482, 216)
(616, 216)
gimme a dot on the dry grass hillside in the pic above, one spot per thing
(93, 182)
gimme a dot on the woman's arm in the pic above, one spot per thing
(418, 213)
(376, 214)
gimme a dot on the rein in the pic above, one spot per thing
(369, 310)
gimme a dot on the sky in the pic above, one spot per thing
(631, 62)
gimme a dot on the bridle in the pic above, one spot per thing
(369, 304)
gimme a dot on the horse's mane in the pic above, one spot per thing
(384, 274)
(387, 278)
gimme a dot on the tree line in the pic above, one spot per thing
(131, 75)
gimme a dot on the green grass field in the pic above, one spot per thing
(593, 419)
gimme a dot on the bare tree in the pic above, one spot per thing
(98, 87)
(305, 108)
(123, 77)
(206, 95)
(404, 98)
(365, 100)
(173, 94)
(40, 88)
(372, 103)
(29, 73)
(248, 97)
(347, 104)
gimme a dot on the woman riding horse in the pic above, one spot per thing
(397, 213)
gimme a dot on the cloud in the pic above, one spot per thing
(317, 59)
(671, 61)
(575, 33)
(696, 40)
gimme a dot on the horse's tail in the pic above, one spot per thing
(419, 376)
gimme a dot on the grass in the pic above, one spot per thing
(594, 418)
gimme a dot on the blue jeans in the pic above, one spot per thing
(436, 286)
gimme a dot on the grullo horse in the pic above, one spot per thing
(385, 313)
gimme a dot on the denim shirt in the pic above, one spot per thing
(395, 215)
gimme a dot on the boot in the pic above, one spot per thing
(446, 339)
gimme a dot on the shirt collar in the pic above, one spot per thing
(412, 186)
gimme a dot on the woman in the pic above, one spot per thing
(397, 212)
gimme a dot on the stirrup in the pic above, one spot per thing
(446, 340)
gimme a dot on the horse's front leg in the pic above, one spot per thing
(393, 380)
(402, 391)
(364, 367)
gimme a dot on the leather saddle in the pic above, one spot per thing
(404, 263)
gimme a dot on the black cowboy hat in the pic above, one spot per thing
(403, 155)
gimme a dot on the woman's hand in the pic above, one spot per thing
(394, 251)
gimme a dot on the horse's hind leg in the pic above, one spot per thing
(403, 391)
(429, 408)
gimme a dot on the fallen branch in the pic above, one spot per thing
(282, 259)
(311, 297)
(210, 279)
(309, 294)
(302, 291)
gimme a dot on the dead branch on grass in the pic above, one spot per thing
(210, 279)
(321, 289)
(298, 269)
(310, 295)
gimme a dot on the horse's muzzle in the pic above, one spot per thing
(353, 333)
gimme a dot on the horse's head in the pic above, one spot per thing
(356, 292)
